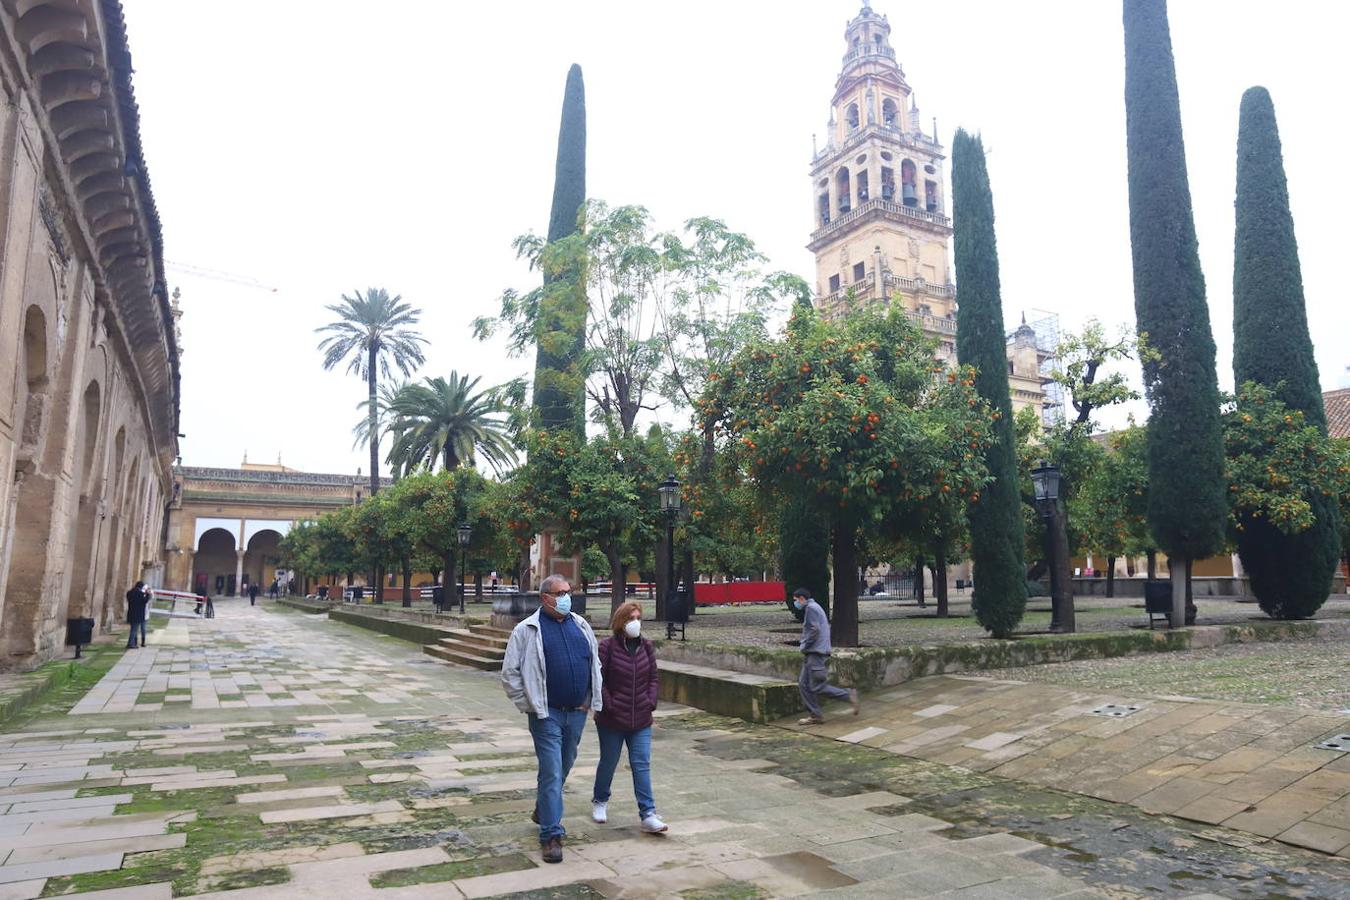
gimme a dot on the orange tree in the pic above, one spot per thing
(857, 417)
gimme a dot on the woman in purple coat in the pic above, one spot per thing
(628, 667)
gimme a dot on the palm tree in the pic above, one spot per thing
(384, 423)
(369, 332)
(444, 420)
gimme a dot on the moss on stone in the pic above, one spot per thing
(468, 868)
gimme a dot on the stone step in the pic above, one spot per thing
(501, 634)
(486, 641)
(463, 657)
(472, 649)
(754, 698)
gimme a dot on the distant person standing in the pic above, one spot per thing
(252, 594)
(272, 591)
(138, 598)
(815, 677)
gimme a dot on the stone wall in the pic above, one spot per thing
(88, 357)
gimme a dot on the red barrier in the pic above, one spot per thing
(739, 592)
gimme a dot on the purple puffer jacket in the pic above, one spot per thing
(630, 685)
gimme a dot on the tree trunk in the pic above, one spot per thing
(1064, 602)
(407, 581)
(1152, 564)
(1190, 599)
(523, 570)
(940, 580)
(918, 581)
(617, 576)
(447, 576)
(1110, 576)
(373, 419)
(1177, 567)
(379, 585)
(661, 556)
(436, 576)
(844, 624)
(685, 572)
(478, 585)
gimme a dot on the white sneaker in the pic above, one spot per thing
(599, 812)
(652, 824)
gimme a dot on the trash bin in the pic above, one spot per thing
(79, 632)
(438, 597)
(1158, 600)
(677, 606)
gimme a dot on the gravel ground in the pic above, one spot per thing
(888, 623)
(1307, 674)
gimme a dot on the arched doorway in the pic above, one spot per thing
(262, 558)
(213, 567)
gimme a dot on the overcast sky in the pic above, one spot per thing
(317, 147)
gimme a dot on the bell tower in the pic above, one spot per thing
(880, 218)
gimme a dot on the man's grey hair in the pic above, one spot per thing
(551, 584)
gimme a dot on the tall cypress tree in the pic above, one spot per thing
(1187, 506)
(1290, 573)
(997, 539)
(559, 383)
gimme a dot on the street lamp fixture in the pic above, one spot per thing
(465, 536)
(1045, 482)
(671, 500)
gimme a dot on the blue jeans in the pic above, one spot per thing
(131, 638)
(639, 760)
(555, 746)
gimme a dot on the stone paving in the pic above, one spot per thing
(1249, 767)
(269, 753)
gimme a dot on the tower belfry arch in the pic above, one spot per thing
(881, 223)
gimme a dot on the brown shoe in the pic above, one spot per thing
(551, 850)
(534, 815)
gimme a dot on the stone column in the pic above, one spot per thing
(238, 570)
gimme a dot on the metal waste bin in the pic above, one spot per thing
(438, 597)
(79, 632)
(678, 605)
(1158, 600)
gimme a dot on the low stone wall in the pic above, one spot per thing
(754, 698)
(875, 667)
(408, 626)
(1210, 586)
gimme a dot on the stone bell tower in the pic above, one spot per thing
(881, 226)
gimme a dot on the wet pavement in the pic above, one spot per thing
(271, 753)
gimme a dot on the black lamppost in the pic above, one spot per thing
(1045, 481)
(465, 535)
(670, 508)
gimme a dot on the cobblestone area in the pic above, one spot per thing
(891, 623)
(1307, 674)
(347, 764)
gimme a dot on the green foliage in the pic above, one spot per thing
(444, 420)
(849, 417)
(1080, 369)
(1286, 480)
(1285, 508)
(1111, 508)
(997, 537)
(805, 544)
(371, 330)
(1186, 496)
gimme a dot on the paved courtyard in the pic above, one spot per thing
(271, 753)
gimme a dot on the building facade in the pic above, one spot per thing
(89, 383)
(225, 525)
(881, 228)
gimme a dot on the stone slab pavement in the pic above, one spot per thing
(271, 753)
(1250, 767)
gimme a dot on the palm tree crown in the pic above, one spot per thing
(371, 331)
(443, 419)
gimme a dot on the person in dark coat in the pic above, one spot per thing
(138, 598)
(252, 594)
(630, 680)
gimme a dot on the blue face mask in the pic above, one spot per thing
(798, 604)
(564, 603)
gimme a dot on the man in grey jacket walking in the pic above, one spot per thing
(552, 674)
(815, 678)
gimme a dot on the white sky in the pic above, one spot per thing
(322, 146)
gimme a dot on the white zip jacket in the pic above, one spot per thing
(524, 673)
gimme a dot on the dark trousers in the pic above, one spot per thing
(815, 681)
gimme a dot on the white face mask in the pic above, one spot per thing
(633, 628)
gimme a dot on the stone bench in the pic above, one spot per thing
(754, 698)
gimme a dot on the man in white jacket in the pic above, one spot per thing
(552, 674)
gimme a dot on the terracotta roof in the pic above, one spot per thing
(1338, 412)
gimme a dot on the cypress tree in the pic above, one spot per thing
(559, 384)
(1187, 506)
(1290, 574)
(997, 539)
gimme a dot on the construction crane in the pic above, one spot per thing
(217, 275)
